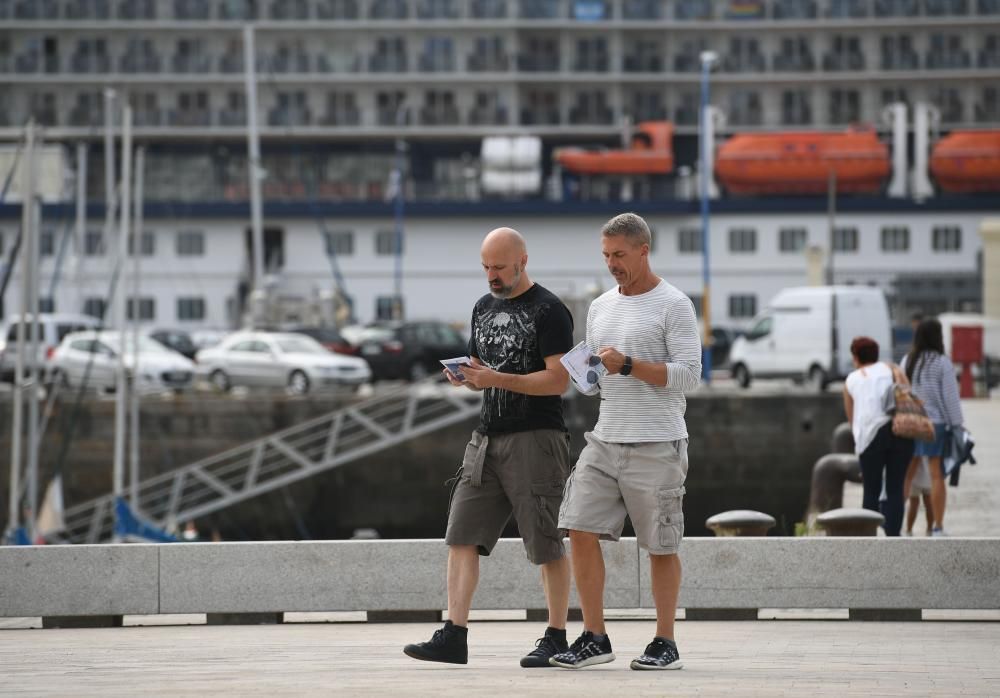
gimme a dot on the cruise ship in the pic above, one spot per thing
(396, 133)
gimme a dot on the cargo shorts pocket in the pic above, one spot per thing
(670, 519)
(548, 497)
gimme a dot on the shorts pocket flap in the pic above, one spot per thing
(673, 493)
(547, 489)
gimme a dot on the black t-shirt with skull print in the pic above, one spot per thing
(514, 335)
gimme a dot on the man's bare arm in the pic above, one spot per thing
(551, 380)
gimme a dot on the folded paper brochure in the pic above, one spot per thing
(585, 369)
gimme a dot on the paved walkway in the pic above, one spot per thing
(763, 658)
(973, 508)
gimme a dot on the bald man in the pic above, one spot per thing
(518, 458)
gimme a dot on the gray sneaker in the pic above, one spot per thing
(661, 653)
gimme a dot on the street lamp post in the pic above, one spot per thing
(708, 60)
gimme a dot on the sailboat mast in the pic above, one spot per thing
(120, 301)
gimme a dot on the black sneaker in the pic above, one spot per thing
(586, 651)
(661, 653)
(546, 646)
(449, 644)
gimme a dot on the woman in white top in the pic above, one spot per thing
(878, 449)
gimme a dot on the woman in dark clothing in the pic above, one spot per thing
(880, 452)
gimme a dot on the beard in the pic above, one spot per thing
(505, 290)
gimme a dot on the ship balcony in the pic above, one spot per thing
(346, 116)
(488, 9)
(477, 63)
(642, 64)
(439, 116)
(289, 10)
(488, 116)
(338, 9)
(635, 10)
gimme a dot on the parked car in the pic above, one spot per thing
(329, 338)
(178, 340)
(53, 327)
(279, 359)
(722, 343)
(153, 366)
(410, 350)
(806, 333)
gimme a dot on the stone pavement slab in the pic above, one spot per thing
(763, 658)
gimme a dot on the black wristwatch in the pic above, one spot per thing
(627, 366)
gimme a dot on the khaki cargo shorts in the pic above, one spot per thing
(642, 480)
(523, 474)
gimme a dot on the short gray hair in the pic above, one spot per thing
(631, 225)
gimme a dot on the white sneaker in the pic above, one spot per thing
(938, 533)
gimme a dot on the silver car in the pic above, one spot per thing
(277, 359)
(92, 358)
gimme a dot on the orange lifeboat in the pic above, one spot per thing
(801, 162)
(967, 161)
(651, 153)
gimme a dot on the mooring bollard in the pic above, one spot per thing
(740, 522)
(850, 522)
(843, 439)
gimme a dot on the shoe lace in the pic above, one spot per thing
(581, 642)
(656, 648)
(660, 648)
(544, 647)
(437, 639)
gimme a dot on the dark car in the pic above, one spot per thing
(722, 342)
(329, 338)
(409, 350)
(178, 340)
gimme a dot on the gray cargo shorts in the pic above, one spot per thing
(523, 474)
(643, 480)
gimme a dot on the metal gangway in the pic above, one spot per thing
(282, 458)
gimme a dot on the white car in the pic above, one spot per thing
(154, 366)
(53, 327)
(278, 359)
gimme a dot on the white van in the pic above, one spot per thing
(806, 333)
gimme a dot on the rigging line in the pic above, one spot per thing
(70, 430)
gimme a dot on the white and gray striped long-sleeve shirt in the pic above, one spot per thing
(934, 383)
(659, 326)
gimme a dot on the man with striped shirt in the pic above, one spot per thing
(635, 461)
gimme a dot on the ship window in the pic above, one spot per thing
(339, 242)
(895, 239)
(386, 243)
(792, 239)
(93, 243)
(95, 307)
(192, 308)
(190, 243)
(742, 305)
(845, 239)
(742, 240)
(696, 301)
(689, 241)
(147, 308)
(947, 238)
(388, 308)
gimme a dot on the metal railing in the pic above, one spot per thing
(282, 458)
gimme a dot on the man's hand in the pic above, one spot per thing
(612, 359)
(479, 376)
(451, 378)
